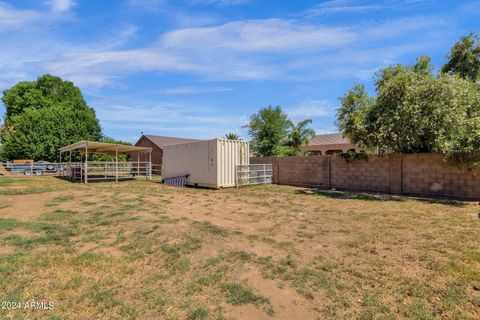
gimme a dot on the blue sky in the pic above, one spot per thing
(200, 68)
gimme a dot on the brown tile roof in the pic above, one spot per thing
(329, 138)
(161, 141)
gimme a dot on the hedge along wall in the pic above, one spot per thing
(419, 174)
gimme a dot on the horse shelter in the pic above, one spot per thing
(116, 168)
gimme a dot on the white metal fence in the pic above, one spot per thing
(253, 174)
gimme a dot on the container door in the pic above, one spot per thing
(211, 155)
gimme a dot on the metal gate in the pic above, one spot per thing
(247, 174)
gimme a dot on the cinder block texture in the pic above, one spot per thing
(420, 174)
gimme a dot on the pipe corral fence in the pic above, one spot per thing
(63, 169)
(253, 174)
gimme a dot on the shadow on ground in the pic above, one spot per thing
(348, 195)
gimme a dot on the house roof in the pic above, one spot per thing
(162, 141)
(329, 138)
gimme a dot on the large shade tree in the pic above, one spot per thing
(414, 111)
(268, 129)
(42, 116)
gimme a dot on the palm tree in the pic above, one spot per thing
(232, 136)
(299, 135)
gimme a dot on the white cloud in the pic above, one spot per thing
(360, 6)
(220, 2)
(167, 118)
(310, 109)
(213, 52)
(194, 90)
(259, 35)
(342, 6)
(11, 17)
(61, 5)
(238, 50)
(251, 50)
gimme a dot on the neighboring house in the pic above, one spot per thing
(329, 143)
(157, 143)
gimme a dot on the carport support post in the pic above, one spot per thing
(70, 170)
(116, 164)
(86, 164)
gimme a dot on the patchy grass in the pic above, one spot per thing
(58, 200)
(255, 252)
(5, 204)
(240, 294)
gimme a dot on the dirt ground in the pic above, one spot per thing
(142, 250)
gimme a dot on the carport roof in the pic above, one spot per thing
(102, 147)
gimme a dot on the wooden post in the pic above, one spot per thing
(70, 166)
(116, 164)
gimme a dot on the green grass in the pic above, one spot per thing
(239, 294)
(58, 200)
(474, 255)
(9, 224)
(5, 204)
(208, 227)
(138, 250)
(418, 310)
(198, 313)
(59, 215)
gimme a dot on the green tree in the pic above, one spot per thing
(38, 133)
(353, 117)
(43, 115)
(299, 135)
(268, 129)
(408, 109)
(464, 58)
(232, 136)
(46, 91)
(414, 111)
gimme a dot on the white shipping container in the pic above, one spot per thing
(209, 163)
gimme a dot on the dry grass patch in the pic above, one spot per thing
(141, 250)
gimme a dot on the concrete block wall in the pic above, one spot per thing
(308, 171)
(371, 174)
(419, 174)
(429, 174)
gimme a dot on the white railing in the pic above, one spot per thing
(97, 170)
(253, 174)
(104, 170)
